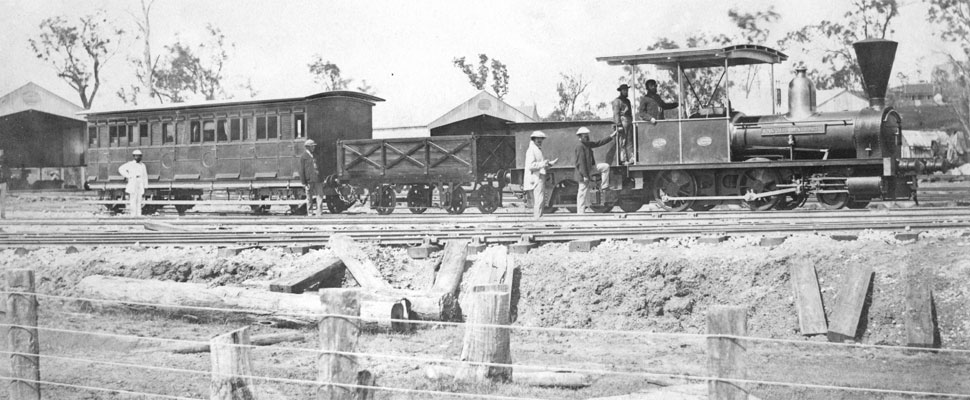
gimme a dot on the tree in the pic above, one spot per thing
(78, 52)
(838, 67)
(953, 17)
(753, 31)
(478, 77)
(327, 74)
(569, 89)
(146, 66)
(197, 71)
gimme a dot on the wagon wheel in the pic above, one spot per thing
(489, 198)
(605, 208)
(336, 204)
(630, 205)
(150, 209)
(791, 201)
(419, 198)
(759, 180)
(350, 194)
(298, 209)
(833, 201)
(676, 184)
(455, 201)
(386, 200)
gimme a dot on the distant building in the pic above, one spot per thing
(39, 129)
(913, 93)
(483, 113)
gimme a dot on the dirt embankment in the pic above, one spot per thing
(660, 287)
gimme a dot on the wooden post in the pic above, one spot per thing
(452, 267)
(357, 263)
(231, 367)
(808, 299)
(850, 308)
(921, 329)
(338, 334)
(22, 311)
(490, 306)
(725, 356)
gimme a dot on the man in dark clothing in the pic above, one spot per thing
(623, 122)
(651, 107)
(585, 163)
(310, 177)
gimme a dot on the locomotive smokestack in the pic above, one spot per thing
(876, 58)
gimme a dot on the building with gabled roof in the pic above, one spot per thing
(483, 113)
(39, 129)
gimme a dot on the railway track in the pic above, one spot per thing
(493, 228)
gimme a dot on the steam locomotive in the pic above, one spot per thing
(717, 155)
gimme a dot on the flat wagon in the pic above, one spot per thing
(462, 170)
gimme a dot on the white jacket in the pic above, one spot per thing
(535, 167)
(137, 176)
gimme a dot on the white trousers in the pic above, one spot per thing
(538, 199)
(582, 193)
(134, 204)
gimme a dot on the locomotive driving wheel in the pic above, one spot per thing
(674, 184)
(386, 200)
(489, 198)
(455, 200)
(791, 201)
(759, 180)
(833, 201)
(630, 205)
(419, 198)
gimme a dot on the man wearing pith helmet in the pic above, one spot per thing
(310, 177)
(136, 175)
(535, 172)
(586, 164)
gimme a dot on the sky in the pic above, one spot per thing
(404, 49)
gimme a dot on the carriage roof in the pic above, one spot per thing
(734, 55)
(222, 103)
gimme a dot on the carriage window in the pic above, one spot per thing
(260, 128)
(221, 135)
(195, 132)
(129, 138)
(299, 127)
(208, 131)
(168, 133)
(113, 136)
(123, 135)
(144, 140)
(234, 129)
(272, 126)
(92, 136)
(245, 129)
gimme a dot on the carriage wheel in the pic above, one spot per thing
(336, 204)
(630, 205)
(456, 202)
(676, 184)
(605, 208)
(386, 200)
(298, 209)
(419, 198)
(759, 180)
(489, 198)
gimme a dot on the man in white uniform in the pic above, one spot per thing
(136, 175)
(535, 172)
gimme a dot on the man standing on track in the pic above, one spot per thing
(310, 177)
(535, 172)
(585, 163)
(136, 175)
(623, 122)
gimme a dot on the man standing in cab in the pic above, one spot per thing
(651, 107)
(310, 177)
(535, 172)
(136, 174)
(623, 123)
(585, 163)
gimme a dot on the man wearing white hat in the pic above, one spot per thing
(586, 163)
(310, 177)
(136, 175)
(535, 172)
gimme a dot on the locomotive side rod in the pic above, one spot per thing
(746, 197)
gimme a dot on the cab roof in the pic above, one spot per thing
(740, 54)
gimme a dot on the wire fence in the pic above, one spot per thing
(712, 375)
